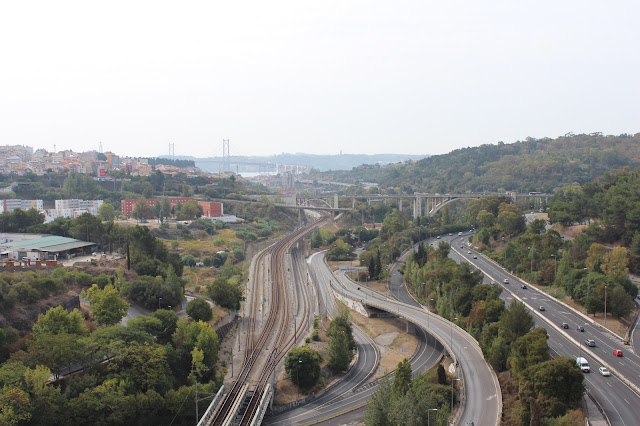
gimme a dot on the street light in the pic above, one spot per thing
(452, 319)
(429, 315)
(428, 413)
(605, 305)
(159, 299)
(298, 376)
(452, 380)
(555, 273)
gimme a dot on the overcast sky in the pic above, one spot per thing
(418, 77)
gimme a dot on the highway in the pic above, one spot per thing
(353, 390)
(617, 393)
(483, 401)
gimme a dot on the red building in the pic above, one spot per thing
(209, 209)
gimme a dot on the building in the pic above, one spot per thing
(72, 209)
(14, 203)
(209, 209)
(78, 204)
(51, 247)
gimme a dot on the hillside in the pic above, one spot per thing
(523, 166)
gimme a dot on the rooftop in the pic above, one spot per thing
(52, 243)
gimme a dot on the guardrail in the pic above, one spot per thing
(212, 407)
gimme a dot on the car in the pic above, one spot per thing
(590, 342)
(565, 325)
(475, 257)
(506, 281)
(604, 371)
(524, 286)
(459, 234)
(450, 234)
(617, 352)
(541, 308)
(438, 237)
(580, 328)
(469, 252)
(461, 246)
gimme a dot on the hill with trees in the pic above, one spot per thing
(529, 165)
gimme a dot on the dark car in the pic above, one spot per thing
(524, 286)
(565, 325)
(580, 328)
(475, 257)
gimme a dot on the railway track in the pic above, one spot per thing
(269, 340)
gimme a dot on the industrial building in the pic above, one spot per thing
(49, 247)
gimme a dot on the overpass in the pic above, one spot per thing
(423, 204)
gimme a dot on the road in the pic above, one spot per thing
(614, 393)
(483, 404)
(352, 391)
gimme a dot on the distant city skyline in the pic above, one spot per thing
(407, 77)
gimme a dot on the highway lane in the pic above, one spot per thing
(618, 400)
(483, 404)
(350, 393)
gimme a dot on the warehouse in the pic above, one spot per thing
(51, 247)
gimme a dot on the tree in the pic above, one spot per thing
(516, 321)
(340, 250)
(528, 350)
(190, 210)
(141, 210)
(107, 212)
(58, 321)
(619, 303)
(338, 353)
(199, 310)
(302, 364)
(595, 256)
(615, 263)
(225, 293)
(316, 239)
(560, 381)
(379, 405)
(157, 211)
(15, 407)
(106, 305)
(485, 219)
(57, 350)
(402, 379)
(166, 207)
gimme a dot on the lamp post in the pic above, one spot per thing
(429, 315)
(428, 413)
(555, 273)
(605, 305)
(298, 376)
(159, 299)
(452, 380)
(452, 320)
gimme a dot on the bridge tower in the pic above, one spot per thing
(226, 162)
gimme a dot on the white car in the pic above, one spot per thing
(604, 371)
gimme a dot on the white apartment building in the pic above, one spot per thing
(78, 204)
(12, 204)
(72, 209)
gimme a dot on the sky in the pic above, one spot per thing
(319, 77)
